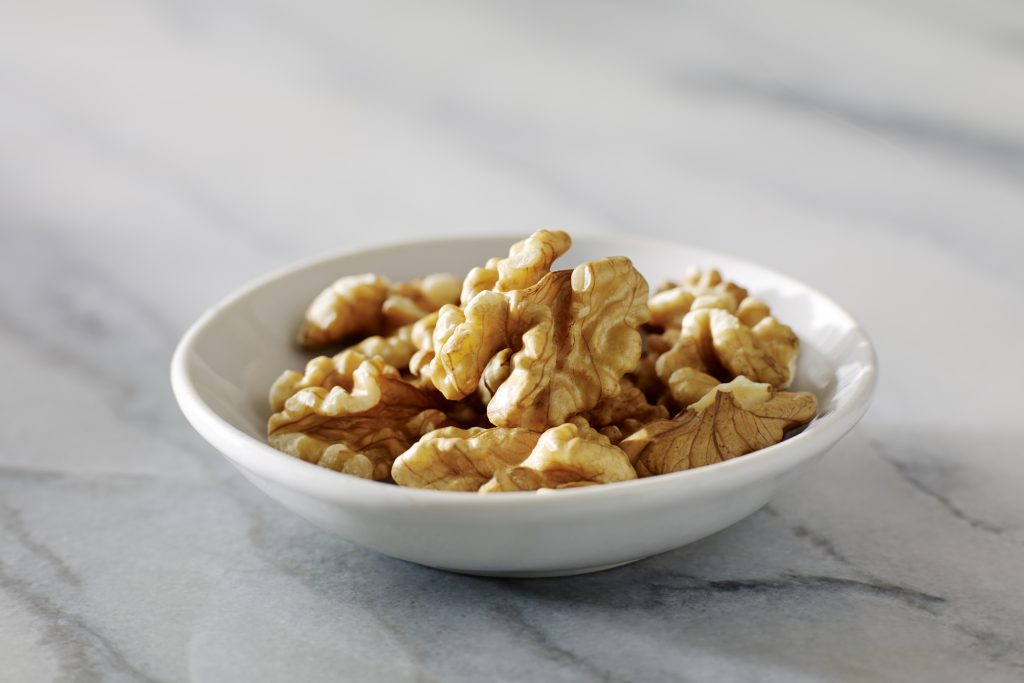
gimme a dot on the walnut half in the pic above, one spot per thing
(567, 456)
(354, 421)
(716, 343)
(453, 459)
(362, 305)
(730, 420)
(544, 353)
(577, 336)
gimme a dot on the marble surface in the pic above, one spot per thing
(155, 155)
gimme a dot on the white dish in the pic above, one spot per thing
(227, 360)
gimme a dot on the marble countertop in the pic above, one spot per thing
(155, 155)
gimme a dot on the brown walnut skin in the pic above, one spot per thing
(578, 338)
(623, 414)
(360, 430)
(718, 428)
(572, 335)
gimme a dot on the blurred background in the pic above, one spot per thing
(156, 155)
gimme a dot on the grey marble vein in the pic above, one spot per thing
(917, 475)
(84, 654)
(155, 157)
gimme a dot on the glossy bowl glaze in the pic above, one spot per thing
(227, 360)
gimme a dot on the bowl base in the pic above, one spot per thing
(542, 574)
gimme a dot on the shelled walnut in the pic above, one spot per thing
(714, 343)
(568, 456)
(521, 377)
(363, 305)
(699, 289)
(453, 459)
(572, 335)
(730, 420)
(356, 422)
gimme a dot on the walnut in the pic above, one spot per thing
(669, 306)
(497, 370)
(645, 375)
(453, 459)
(396, 349)
(407, 302)
(421, 334)
(522, 378)
(693, 348)
(730, 420)
(359, 430)
(700, 289)
(465, 340)
(688, 385)
(572, 336)
(567, 456)
(752, 310)
(614, 433)
(710, 281)
(715, 342)
(626, 411)
(764, 353)
(722, 300)
(780, 345)
(577, 336)
(660, 343)
(350, 306)
(361, 305)
(527, 262)
(320, 372)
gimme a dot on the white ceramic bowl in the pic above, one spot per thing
(225, 364)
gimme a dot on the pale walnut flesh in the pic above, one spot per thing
(752, 310)
(669, 306)
(764, 353)
(362, 305)
(578, 338)
(421, 334)
(527, 262)
(320, 372)
(464, 342)
(572, 336)
(567, 456)
(699, 289)
(693, 348)
(350, 306)
(396, 349)
(408, 302)
(703, 282)
(377, 419)
(731, 420)
(453, 459)
(717, 343)
(495, 372)
(688, 385)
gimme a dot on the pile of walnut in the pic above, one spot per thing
(522, 378)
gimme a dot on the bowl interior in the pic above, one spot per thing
(231, 356)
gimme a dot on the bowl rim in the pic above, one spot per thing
(249, 453)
